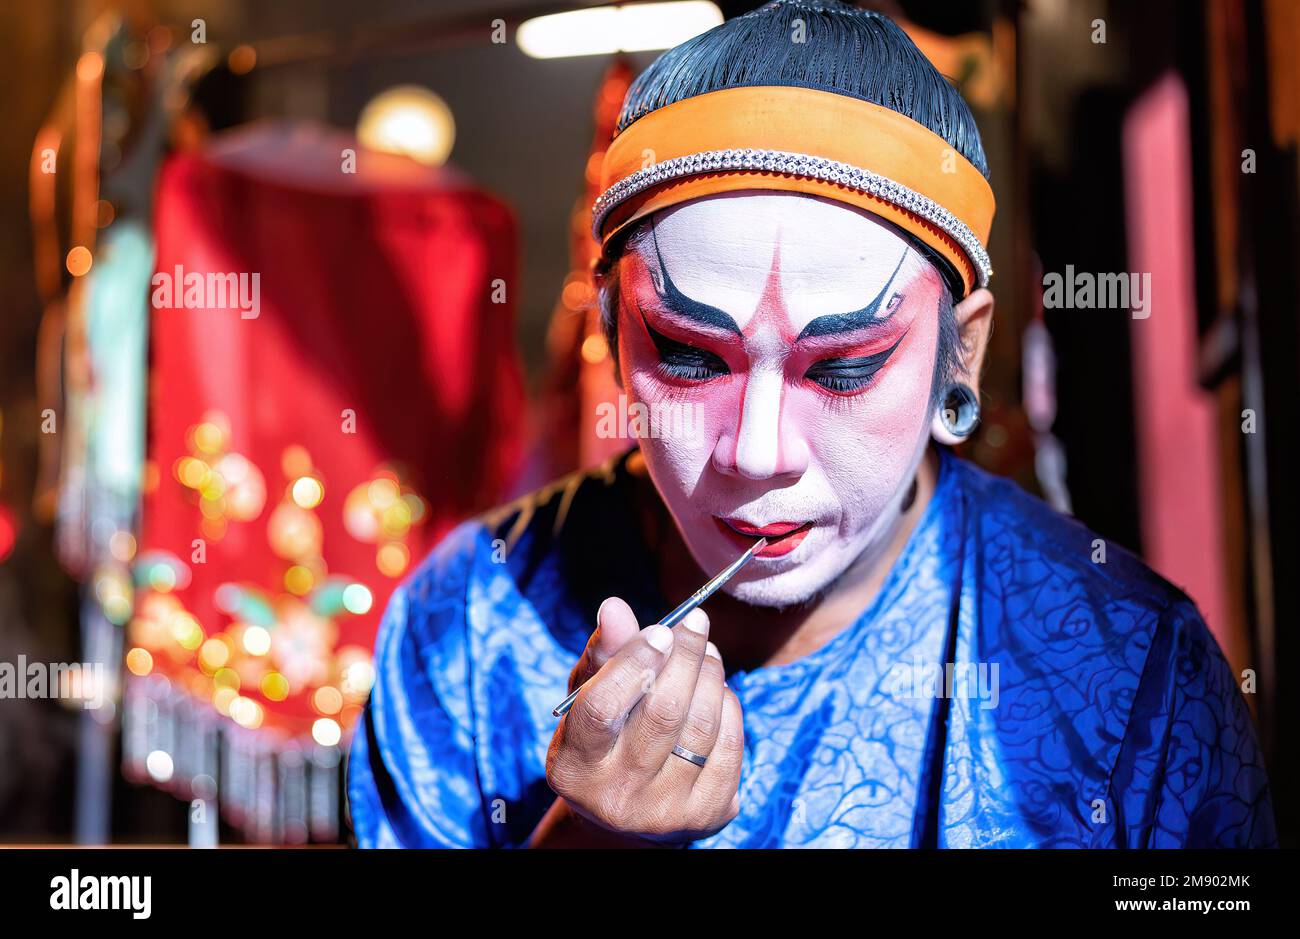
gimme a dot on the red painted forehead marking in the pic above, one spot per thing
(772, 307)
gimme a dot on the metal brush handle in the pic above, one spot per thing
(679, 614)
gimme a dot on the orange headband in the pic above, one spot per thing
(800, 140)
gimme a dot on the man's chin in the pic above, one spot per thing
(788, 589)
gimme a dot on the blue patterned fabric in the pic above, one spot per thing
(1088, 707)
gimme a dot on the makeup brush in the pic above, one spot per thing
(691, 602)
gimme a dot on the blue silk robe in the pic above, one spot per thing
(1104, 715)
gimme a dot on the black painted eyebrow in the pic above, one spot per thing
(847, 322)
(683, 305)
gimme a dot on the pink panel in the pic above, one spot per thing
(1182, 523)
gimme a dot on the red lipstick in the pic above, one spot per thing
(783, 537)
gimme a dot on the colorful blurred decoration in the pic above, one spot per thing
(307, 456)
(383, 512)
(91, 187)
(580, 375)
(228, 487)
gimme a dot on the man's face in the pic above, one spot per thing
(800, 334)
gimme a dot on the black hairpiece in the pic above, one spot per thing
(858, 53)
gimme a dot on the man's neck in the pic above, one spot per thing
(750, 637)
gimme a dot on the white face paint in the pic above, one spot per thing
(807, 416)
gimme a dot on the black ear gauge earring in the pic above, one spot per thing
(960, 411)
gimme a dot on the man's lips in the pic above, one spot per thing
(783, 537)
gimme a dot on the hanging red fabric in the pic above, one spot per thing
(334, 384)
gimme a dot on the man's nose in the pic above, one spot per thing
(762, 444)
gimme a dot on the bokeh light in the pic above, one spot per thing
(410, 121)
(257, 640)
(79, 261)
(357, 599)
(160, 766)
(275, 686)
(308, 492)
(328, 700)
(326, 732)
(139, 661)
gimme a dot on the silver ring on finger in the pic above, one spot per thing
(690, 756)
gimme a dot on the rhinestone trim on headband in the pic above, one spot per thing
(808, 167)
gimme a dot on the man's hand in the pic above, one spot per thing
(611, 760)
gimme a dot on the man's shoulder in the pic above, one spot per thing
(1109, 675)
(562, 508)
(1058, 600)
(1028, 541)
(531, 540)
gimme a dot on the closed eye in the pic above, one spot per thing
(686, 362)
(849, 375)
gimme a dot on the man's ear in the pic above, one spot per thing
(974, 317)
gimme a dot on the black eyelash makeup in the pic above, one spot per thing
(851, 374)
(682, 361)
